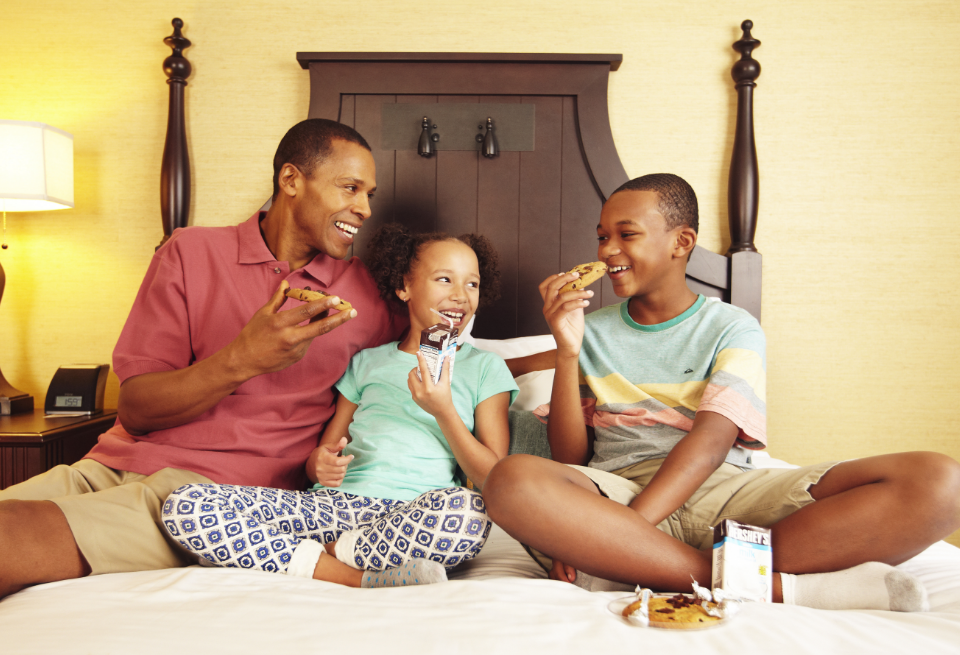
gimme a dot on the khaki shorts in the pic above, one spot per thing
(114, 515)
(759, 497)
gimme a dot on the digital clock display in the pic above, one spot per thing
(69, 401)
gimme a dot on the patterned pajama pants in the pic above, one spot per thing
(259, 528)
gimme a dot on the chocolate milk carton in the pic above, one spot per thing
(743, 561)
(438, 343)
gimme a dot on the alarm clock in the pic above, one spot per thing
(77, 389)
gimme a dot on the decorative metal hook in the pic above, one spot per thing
(425, 145)
(490, 149)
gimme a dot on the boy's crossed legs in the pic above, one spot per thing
(879, 509)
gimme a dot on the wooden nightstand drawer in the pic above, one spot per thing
(31, 443)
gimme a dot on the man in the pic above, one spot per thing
(215, 385)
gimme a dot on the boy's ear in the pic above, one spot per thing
(686, 239)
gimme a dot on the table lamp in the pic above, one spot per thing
(36, 174)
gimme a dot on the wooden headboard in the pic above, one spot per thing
(539, 201)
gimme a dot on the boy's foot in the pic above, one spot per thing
(413, 572)
(592, 583)
(870, 586)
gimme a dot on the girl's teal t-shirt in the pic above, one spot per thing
(399, 451)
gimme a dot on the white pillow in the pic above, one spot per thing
(535, 387)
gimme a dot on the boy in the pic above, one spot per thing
(673, 394)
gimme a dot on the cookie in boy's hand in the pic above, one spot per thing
(309, 296)
(589, 273)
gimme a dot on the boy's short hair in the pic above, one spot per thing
(678, 202)
(308, 143)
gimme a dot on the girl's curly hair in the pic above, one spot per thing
(393, 252)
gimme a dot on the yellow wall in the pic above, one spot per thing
(857, 134)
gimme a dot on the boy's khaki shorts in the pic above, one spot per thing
(114, 515)
(759, 497)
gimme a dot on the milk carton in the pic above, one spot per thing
(437, 344)
(743, 561)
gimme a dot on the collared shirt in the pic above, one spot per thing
(200, 290)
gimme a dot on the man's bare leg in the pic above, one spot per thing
(36, 546)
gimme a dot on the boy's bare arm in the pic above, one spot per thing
(570, 443)
(688, 465)
(566, 432)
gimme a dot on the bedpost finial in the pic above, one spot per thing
(747, 70)
(176, 40)
(176, 66)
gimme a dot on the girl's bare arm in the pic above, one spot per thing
(325, 465)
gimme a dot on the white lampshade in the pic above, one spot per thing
(36, 167)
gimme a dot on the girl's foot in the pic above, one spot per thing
(412, 572)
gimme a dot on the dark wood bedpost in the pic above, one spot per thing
(744, 183)
(175, 172)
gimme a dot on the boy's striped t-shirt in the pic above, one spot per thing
(642, 385)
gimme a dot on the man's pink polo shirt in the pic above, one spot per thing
(201, 288)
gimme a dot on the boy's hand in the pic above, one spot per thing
(330, 467)
(432, 398)
(562, 572)
(564, 312)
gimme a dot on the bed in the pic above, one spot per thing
(501, 601)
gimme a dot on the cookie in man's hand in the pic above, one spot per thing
(589, 273)
(309, 296)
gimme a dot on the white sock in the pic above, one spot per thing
(412, 572)
(870, 586)
(345, 547)
(305, 558)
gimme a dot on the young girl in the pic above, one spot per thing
(386, 506)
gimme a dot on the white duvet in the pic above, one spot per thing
(498, 603)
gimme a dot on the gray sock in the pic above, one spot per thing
(412, 572)
(869, 586)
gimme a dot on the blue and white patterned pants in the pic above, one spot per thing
(259, 527)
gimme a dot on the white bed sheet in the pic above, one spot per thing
(487, 607)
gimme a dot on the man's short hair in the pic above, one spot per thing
(308, 143)
(678, 202)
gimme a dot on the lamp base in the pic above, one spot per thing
(12, 400)
(16, 405)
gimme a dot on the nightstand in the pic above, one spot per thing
(31, 443)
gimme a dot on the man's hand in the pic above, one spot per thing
(564, 312)
(432, 398)
(327, 464)
(273, 340)
(562, 572)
